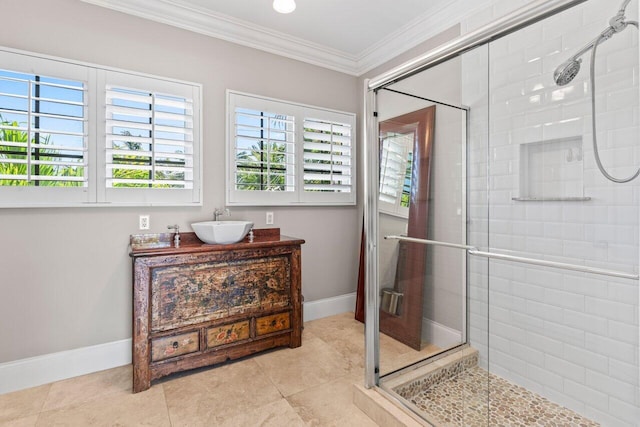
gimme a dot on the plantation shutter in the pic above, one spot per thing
(43, 123)
(327, 156)
(395, 174)
(264, 151)
(392, 166)
(149, 139)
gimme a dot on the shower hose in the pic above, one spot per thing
(592, 78)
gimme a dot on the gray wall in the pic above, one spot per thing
(65, 274)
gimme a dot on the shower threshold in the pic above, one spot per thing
(458, 392)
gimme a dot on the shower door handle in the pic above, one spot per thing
(554, 264)
(472, 250)
(430, 242)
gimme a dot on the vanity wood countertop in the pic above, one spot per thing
(189, 243)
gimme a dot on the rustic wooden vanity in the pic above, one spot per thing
(202, 304)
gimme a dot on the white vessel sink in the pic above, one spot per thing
(221, 232)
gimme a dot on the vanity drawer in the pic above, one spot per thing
(268, 324)
(174, 345)
(226, 334)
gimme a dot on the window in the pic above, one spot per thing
(74, 134)
(395, 173)
(282, 153)
(327, 156)
(151, 140)
(264, 151)
(42, 128)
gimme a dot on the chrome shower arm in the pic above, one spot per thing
(618, 22)
(606, 34)
(623, 7)
(587, 47)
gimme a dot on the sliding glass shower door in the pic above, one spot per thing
(424, 202)
(525, 253)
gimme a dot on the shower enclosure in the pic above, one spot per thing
(520, 224)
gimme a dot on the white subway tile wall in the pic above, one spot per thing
(572, 337)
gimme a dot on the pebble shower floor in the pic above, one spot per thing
(463, 395)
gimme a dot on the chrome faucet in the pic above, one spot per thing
(176, 236)
(220, 212)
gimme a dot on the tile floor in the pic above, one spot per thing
(307, 386)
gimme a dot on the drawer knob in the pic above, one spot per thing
(175, 344)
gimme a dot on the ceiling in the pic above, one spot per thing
(351, 36)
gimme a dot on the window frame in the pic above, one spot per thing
(300, 112)
(95, 193)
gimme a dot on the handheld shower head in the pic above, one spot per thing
(570, 68)
(566, 71)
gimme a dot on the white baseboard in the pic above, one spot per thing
(440, 335)
(34, 371)
(329, 306)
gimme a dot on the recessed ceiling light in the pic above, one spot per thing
(284, 6)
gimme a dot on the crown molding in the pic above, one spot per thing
(241, 32)
(234, 30)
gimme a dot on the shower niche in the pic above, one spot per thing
(552, 170)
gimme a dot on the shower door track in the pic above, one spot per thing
(472, 250)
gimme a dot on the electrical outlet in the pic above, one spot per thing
(144, 222)
(269, 218)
